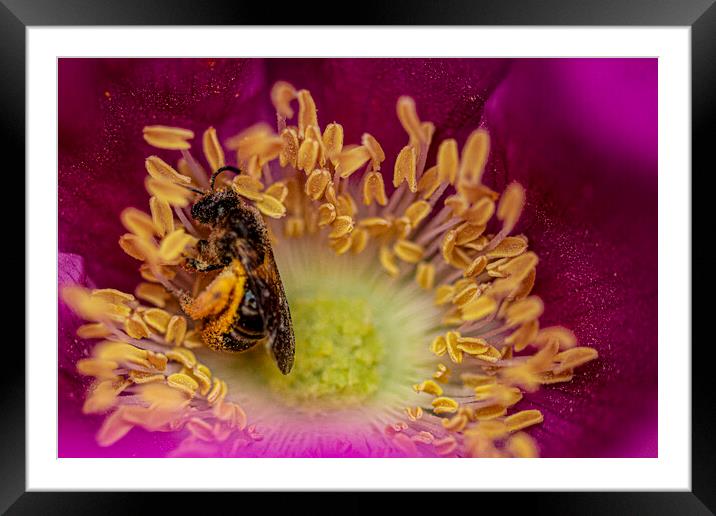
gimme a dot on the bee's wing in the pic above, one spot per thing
(274, 307)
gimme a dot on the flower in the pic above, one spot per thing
(333, 406)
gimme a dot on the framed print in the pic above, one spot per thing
(341, 258)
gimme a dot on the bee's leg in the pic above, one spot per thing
(202, 262)
(198, 265)
(213, 299)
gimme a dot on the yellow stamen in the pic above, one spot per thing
(173, 245)
(442, 375)
(165, 137)
(307, 156)
(136, 328)
(99, 368)
(142, 378)
(457, 204)
(307, 114)
(282, 94)
(161, 170)
(218, 392)
(511, 203)
(316, 183)
(474, 157)
(345, 205)
(183, 382)
(333, 141)
(439, 345)
(480, 212)
(474, 380)
(93, 308)
(135, 247)
(525, 334)
(447, 161)
(377, 156)
(429, 387)
(425, 275)
(168, 192)
(456, 423)
(314, 133)
(444, 405)
(278, 191)
(524, 310)
(247, 186)
(509, 247)
(176, 330)
(124, 354)
(444, 294)
(351, 159)
(455, 353)
(574, 357)
(479, 308)
(417, 212)
(342, 244)
(405, 168)
(289, 148)
(414, 413)
(408, 116)
(429, 182)
(112, 295)
(473, 345)
(113, 429)
(375, 226)
(359, 240)
(523, 419)
(387, 260)
(93, 331)
(550, 377)
(213, 151)
(402, 227)
(271, 207)
(408, 251)
(326, 214)
(491, 412)
(374, 189)
(522, 446)
(341, 226)
(465, 294)
(155, 294)
(564, 337)
(476, 267)
(183, 356)
(162, 216)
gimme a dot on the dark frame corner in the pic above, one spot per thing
(700, 15)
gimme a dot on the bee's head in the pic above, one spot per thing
(214, 206)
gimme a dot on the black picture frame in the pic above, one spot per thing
(17, 15)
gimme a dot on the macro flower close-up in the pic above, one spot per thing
(357, 258)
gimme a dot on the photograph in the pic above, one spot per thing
(367, 257)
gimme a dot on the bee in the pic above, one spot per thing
(245, 303)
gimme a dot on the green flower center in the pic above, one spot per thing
(339, 352)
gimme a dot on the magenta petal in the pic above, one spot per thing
(581, 136)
